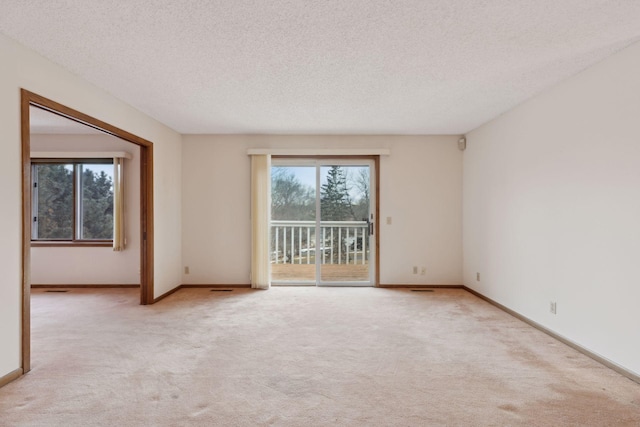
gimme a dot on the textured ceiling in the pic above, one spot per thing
(323, 67)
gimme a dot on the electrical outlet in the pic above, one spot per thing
(388, 220)
(552, 307)
(186, 270)
(415, 269)
(423, 271)
(477, 277)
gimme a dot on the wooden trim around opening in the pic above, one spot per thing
(606, 362)
(376, 165)
(75, 115)
(25, 103)
(146, 227)
(29, 99)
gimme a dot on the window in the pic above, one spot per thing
(72, 200)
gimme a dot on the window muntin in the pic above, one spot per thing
(72, 200)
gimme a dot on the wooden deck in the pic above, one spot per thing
(329, 272)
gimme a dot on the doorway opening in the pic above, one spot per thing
(29, 101)
(323, 222)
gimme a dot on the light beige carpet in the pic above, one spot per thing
(303, 356)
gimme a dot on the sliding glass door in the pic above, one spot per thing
(322, 222)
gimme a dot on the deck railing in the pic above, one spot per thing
(340, 242)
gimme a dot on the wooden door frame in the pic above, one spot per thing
(29, 99)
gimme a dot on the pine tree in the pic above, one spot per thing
(55, 202)
(97, 203)
(335, 204)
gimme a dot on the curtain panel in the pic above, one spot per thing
(118, 204)
(260, 221)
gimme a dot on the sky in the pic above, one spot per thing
(307, 175)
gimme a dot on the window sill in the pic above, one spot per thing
(67, 244)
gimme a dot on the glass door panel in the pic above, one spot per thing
(344, 229)
(293, 225)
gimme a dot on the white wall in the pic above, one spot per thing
(552, 208)
(93, 265)
(420, 189)
(22, 68)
